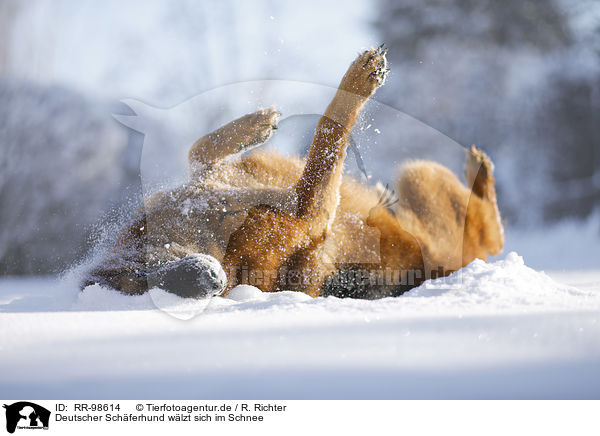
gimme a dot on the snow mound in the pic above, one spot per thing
(505, 286)
(245, 293)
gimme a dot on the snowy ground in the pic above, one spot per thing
(501, 330)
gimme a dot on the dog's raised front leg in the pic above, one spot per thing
(318, 188)
(270, 239)
(240, 134)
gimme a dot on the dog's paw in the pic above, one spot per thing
(367, 72)
(476, 159)
(478, 167)
(257, 127)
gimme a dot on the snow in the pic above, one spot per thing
(569, 244)
(491, 330)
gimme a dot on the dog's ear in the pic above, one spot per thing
(5, 406)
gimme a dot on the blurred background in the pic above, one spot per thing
(519, 78)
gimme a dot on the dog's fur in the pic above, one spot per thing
(269, 218)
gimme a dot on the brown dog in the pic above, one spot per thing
(285, 223)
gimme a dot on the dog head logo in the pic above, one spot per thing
(26, 415)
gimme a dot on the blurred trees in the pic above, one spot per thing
(63, 164)
(8, 9)
(519, 78)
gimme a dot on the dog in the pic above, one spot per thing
(285, 223)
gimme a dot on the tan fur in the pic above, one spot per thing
(279, 222)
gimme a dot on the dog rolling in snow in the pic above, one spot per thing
(283, 223)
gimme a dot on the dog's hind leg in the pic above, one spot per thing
(479, 174)
(484, 232)
(238, 135)
(318, 187)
